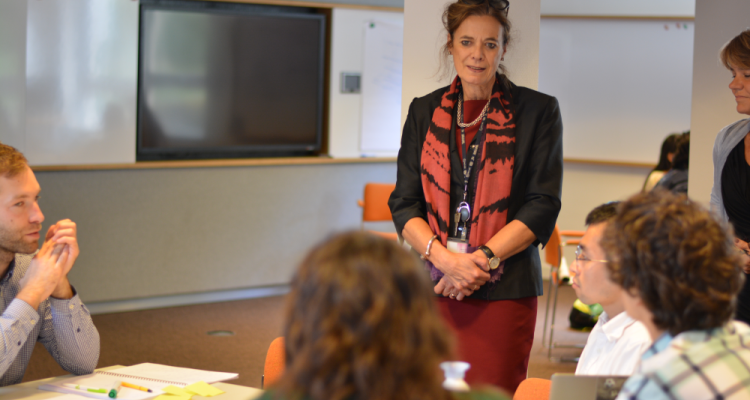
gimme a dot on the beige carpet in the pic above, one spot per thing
(178, 336)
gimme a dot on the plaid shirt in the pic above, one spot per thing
(64, 327)
(696, 365)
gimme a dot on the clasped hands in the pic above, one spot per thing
(48, 272)
(743, 247)
(463, 273)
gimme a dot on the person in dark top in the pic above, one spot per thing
(665, 162)
(730, 196)
(478, 189)
(676, 179)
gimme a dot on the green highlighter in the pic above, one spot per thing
(90, 389)
(113, 391)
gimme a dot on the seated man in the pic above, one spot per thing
(617, 341)
(38, 301)
(681, 275)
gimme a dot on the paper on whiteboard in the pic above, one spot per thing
(381, 88)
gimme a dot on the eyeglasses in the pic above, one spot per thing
(500, 5)
(580, 257)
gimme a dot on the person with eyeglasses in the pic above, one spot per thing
(616, 342)
(730, 195)
(478, 189)
(680, 275)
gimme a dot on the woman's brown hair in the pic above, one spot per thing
(677, 258)
(456, 13)
(361, 323)
(736, 53)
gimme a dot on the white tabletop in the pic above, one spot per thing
(29, 391)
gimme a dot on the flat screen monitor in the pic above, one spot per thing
(223, 80)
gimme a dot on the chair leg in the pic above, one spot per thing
(552, 324)
(546, 310)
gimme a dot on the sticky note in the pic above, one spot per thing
(204, 389)
(172, 397)
(174, 390)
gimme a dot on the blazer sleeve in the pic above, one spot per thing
(407, 200)
(541, 199)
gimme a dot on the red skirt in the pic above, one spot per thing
(495, 337)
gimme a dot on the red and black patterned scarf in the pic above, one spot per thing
(494, 176)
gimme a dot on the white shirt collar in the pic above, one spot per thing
(614, 328)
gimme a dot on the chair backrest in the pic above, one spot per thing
(552, 249)
(533, 389)
(275, 362)
(375, 207)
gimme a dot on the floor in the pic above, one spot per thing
(179, 336)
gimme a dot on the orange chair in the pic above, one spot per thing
(275, 363)
(533, 389)
(553, 255)
(375, 206)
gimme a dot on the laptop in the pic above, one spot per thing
(585, 387)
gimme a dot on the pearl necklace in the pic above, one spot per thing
(461, 116)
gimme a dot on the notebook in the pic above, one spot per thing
(585, 387)
(152, 376)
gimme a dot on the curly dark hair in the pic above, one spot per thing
(677, 258)
(361, 322)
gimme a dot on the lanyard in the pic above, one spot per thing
(464, 147)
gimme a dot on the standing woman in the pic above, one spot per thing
(478, 188)
(730, 196)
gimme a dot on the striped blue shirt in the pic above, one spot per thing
(64, 327)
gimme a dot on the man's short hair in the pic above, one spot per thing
(602, 213)
(12, 162)
(677, 258)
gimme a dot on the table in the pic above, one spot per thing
(29, 391)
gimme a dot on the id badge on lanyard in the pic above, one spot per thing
(463, 211)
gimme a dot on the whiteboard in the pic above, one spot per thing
(381, 88)
(623, 84)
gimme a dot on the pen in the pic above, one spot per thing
(136, 387)
(86, 388)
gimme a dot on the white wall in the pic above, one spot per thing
(651, 8)
(586, 186)
(13, 72)
(424, 35)
(716, 22)
(176, 231)
(347, 55)
(81, 70)
(623, 84)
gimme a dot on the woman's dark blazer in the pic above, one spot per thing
(535, 189)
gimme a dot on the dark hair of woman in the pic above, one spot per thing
(681, 158)
(456, 13)
(737, 51)
(361, 323)
(678, 259)
(667, 147)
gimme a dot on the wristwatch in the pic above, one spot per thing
(493, 261)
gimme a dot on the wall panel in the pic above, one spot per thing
(13, 72)
(81, 69)
(188, 230)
